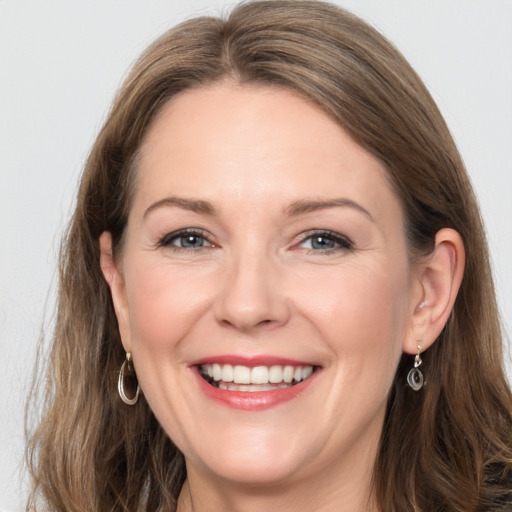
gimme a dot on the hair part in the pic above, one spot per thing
(446, 448)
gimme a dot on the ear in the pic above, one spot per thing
(438, 278)
(115, 281)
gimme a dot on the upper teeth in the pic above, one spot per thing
(256, 374)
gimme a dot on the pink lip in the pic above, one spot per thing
(261, 360)
(253, 401)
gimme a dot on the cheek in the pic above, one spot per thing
(363, 323)
(361, 314)
(163, 303)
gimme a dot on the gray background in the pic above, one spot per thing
(60, 63)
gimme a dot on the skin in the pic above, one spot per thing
(256, 284)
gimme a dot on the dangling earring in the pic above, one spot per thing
(127, 372)
(415, 377)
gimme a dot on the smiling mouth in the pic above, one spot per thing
(254, 378)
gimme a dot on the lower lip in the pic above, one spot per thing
(256, 400)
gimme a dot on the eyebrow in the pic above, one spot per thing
(193, 205)
(306, 206)
(296, 208)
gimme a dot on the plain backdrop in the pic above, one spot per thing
(60, 64)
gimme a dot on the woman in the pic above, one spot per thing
(275, 290)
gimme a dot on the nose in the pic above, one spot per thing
(252, 295)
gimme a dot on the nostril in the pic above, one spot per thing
(247, 326)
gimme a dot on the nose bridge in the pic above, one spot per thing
(251, 293)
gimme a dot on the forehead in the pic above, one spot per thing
(251, 143)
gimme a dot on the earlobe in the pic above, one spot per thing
(115, 281)
(439, 276)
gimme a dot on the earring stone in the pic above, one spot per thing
(415, 376)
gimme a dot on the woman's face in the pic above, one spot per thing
(264, 287)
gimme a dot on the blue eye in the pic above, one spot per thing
(325, 241)
(185, 239)
(189, 241)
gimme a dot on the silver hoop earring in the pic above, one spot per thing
(415, 377)
(127, 373)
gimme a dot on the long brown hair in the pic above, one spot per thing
(446, 448)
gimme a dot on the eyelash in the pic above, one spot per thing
(167, 240)
(342, 242)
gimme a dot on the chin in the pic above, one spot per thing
(250, 472)
(251, 459)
